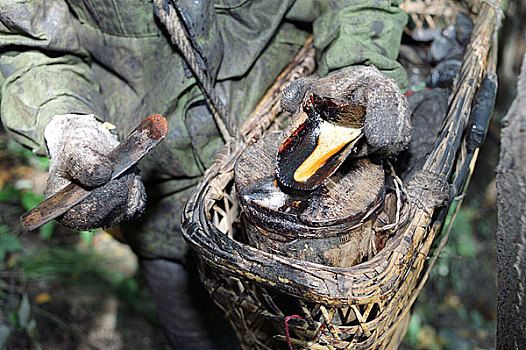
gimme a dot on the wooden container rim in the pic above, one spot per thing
(291, 227)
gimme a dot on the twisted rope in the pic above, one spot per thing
(173, 25)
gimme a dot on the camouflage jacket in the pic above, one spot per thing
(114, 59)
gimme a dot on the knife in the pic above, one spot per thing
(139, 142)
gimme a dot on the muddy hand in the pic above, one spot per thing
(331, 116)
(92, 182)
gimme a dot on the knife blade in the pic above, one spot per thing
(139, 142)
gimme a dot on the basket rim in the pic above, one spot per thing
(241, 254)
(375, 279)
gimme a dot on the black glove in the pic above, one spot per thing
(78, 145)
(387, 126)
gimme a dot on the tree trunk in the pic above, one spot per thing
(511, 235)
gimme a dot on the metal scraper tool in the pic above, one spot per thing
(139, 142)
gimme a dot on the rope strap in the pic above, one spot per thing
(170, 19)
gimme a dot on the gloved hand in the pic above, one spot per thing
(387, 126)
(78, 145)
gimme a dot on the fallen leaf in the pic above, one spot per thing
(42, 298)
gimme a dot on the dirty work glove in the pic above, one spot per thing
(387, 126)
(78, 145)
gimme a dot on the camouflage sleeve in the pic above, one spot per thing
(44, 70)
(355, 33)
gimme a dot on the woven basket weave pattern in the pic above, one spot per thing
(366, 306)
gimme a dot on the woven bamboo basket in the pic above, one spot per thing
(278, 302)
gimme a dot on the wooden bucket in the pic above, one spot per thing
(332, 225)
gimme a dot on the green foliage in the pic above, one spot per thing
(24, 312)
(30, 200)
(445, 316)
(5, 332)
(8, 193)
(415, 325)
(87, 236)
(16, 149)
(45, 264)
(68, 265)
(46, 230)
(138, 298)
(20, 319)
(87, 268)
(464, 243)
(9, 243)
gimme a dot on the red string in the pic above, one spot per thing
(287, 318)
(410, 92)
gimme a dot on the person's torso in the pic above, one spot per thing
(140, 72)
